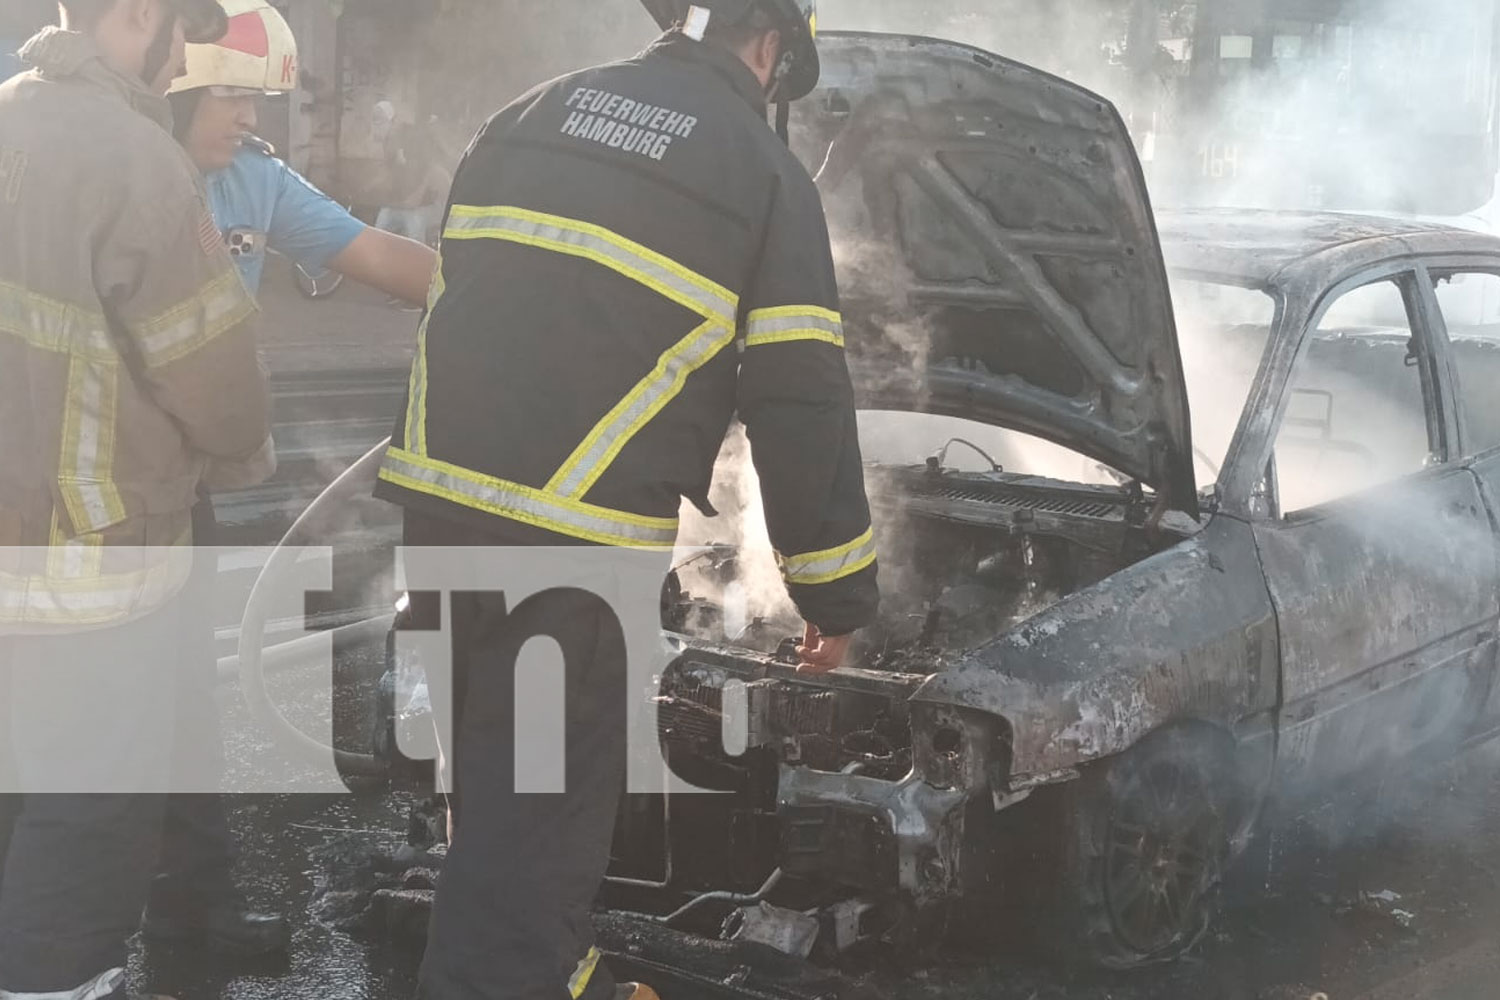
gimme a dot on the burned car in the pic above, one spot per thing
(1176, 514)
(1110, 630)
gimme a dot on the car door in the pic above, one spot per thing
(1466, 295)
(1379, 553)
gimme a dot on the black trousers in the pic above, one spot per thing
(76, 866)
(512, 915)
(197, 848)
(75, 870)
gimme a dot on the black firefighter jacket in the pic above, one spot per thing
(630, 258)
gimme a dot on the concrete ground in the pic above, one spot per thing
(1377, 898)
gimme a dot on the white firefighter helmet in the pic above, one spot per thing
(256, 54)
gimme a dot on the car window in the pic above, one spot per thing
(1222, 331)
(1356, 416)
(1470, 302)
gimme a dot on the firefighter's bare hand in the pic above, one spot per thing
(821, 653)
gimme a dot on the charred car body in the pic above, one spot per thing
(1093, 665)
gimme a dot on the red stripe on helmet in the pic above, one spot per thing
(247, 34)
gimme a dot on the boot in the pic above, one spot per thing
(635, 991)
(224, 925)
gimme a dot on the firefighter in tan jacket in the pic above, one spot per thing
(128, 376)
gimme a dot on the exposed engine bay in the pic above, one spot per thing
(844, 792)
(964, 559)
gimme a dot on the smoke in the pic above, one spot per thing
(1378, 105)
(1076, 39)
(475, 58)
(891, 341)
(757, 591)
(1222, 331)
(1383, 106)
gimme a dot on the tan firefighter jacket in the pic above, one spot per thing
(128, 367)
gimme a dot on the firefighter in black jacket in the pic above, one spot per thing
(630, 258)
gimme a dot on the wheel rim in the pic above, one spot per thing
(1164, 856)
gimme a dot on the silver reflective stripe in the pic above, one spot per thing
(526, 504)
(415, 430)
(582, 239)
(77, 557)
(97, 988)
(88, 441)
(604, 444)
(776, 326)
(53, 326)
(830, 565)
(218, 307)
(74, 558)
(98, 599)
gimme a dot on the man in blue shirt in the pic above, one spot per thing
(257, 199)
(258, 202)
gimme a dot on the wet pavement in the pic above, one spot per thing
(1374, 898)
(1390, 893)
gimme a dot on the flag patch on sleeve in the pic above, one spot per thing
(209, 236)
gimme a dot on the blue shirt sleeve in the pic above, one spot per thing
(306, 225)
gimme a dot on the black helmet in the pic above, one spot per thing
(796, 19)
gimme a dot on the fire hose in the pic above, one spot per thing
(253, 660)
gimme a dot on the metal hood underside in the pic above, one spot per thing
(997, 252)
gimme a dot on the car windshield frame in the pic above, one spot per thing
(1217, 493)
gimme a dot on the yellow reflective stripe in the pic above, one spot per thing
(54, 326)
(789, 323)
(831, 564)
(650, 396)
(584, 973)
(560, 514)
(218, 307)
(415, 434)
(88, 445)
(602, 246)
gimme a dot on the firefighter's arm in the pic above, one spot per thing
(797, 403)
(394, 264)
(172, 290)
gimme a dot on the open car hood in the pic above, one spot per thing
(997, 252)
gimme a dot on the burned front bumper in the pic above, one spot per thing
(872, 792)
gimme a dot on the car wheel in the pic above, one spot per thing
(1147, 841)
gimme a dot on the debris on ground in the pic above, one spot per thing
(378, 894)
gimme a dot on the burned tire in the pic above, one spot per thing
(1146, 841)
